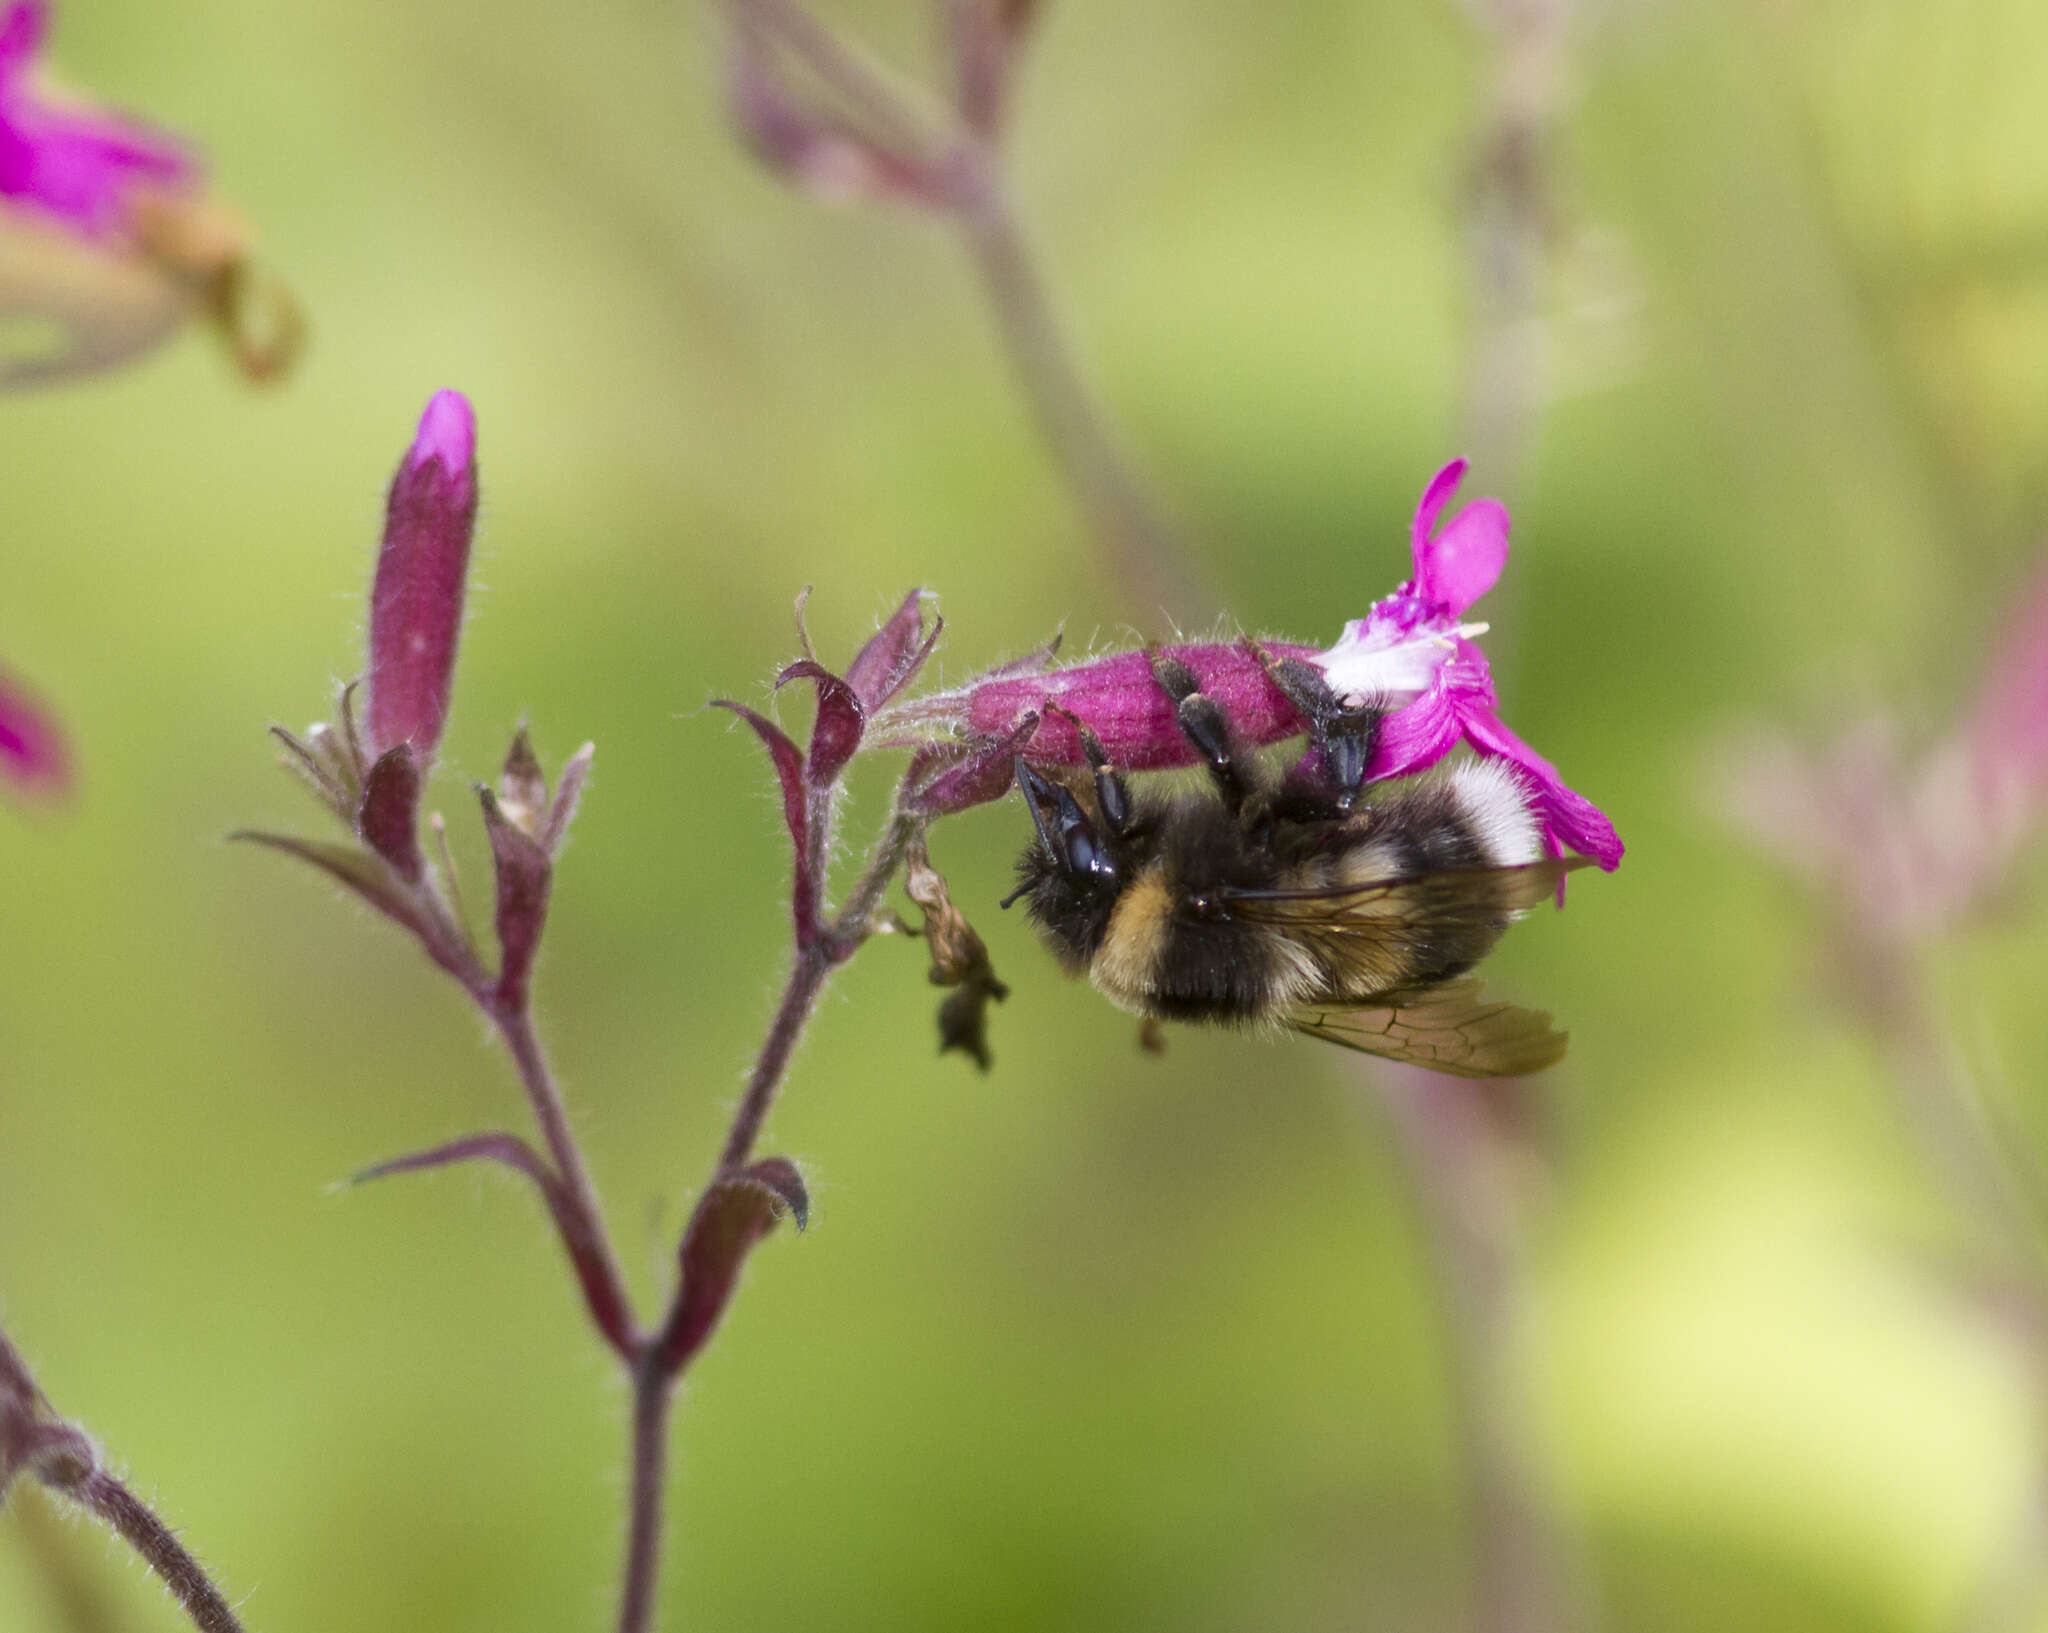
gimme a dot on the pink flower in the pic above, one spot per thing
(1399, 646)
(76, 164)
(109, 239)
(1412, 649)
(1413, 639)
(32, 754)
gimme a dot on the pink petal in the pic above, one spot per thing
(1415, 738)
(21, 36)
(1434, 498)
(1464, 561)
(1569, 818)
(76, 164)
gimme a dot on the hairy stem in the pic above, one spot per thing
(653, 1392)
(810, 970)
(603, 1285)
(110, 1500)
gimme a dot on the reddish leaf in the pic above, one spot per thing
(893, 654)
(388, 818)
(587, 1258)
(524, 876)
(960, 780)
(568, 794)
(368, 877)
(730, 1219)
(796, 808)
(836, 733)
(789, 768)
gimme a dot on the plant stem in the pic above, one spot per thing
(1142, 551)
(160, 1549)
(1523, 1576)
(604, 1286)
(653, 1392)
(808, 973)
(871, 95)
(810, 970)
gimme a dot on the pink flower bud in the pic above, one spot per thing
(416, 601)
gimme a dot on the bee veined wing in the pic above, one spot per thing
(1449, 1028)
(1397, 934)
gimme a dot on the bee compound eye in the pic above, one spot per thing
(1086, 857)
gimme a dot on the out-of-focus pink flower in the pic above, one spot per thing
(1411, 654)
(109, 240)
(33, 758)
(1909, 848)
(79, 165)
(416, 597)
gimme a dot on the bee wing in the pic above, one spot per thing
(1451, 1028)
(1380, 935)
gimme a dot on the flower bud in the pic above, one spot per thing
(416, 600)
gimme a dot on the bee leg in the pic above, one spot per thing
(1112, 795)
(1203, 723)
(1341, 735)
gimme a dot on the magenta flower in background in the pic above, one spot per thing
(1412, 654)
(109, 238)
(33, 759)
(76, 164)
(1909, 845)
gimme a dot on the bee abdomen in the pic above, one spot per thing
(1173, 953)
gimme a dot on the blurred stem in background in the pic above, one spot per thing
(821, 116)
(1901, 855)
(834, 124)
(1470, 1148)
(1512, 225)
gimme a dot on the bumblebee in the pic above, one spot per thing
(1306, 900)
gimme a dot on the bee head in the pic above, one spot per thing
(1068, 876)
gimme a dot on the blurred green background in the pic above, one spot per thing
(1099, 1341)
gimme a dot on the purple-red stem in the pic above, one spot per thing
(653, 1392)
(159, 1547)
(597, 1265)
(657, 1368)
(810, 970)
